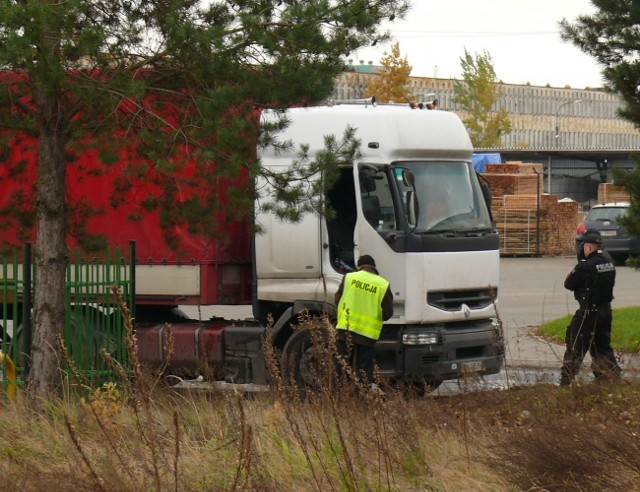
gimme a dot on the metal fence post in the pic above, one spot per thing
(27, 301)
(132, 277)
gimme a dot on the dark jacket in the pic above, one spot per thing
(592, 280)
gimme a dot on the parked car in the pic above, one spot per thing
(604, 219)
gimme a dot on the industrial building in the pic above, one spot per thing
(575, 134)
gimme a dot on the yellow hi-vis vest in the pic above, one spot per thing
(360, 307)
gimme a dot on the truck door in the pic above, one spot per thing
(377, 220)
(375, 211)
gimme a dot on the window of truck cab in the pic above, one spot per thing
(449, 196)
(377, 198)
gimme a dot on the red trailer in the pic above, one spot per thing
(196, 269)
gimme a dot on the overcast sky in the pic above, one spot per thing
(522, 38)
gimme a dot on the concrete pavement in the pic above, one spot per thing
(532, 292)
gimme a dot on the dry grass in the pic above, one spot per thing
(141, 435)
(533, 438)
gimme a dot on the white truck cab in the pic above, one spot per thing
(413, 201)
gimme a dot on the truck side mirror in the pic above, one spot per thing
(367, 183)
(412, 208)
(486, 193)
(408, 179)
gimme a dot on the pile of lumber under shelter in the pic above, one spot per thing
(528, 221)
(610, 193)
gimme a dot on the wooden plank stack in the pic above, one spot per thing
(516, 195)
(610, 193)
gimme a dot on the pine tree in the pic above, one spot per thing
(162, 79)
(392, 82)
(612, 37)
(477, 93)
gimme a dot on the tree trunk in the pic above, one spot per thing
(51, 253)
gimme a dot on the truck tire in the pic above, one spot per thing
(423, 388)
(305, 359)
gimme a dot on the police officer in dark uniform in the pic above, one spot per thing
(580, 245)
(591, 281)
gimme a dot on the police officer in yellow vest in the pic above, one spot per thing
(364, 301)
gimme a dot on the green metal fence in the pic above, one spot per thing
(93, 320)
(12, 288)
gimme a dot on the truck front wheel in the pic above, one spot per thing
(306, 359)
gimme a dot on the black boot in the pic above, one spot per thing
(565, 381)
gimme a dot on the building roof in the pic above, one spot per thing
(542, 154)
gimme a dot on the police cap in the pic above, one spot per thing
(593, 239)
(366, 260)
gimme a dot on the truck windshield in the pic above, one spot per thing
(449, 197)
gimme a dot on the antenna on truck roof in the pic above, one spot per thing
(430, 103)
(366, 101)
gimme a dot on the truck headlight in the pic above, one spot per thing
(420, 338)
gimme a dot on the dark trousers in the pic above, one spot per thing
(590, 331)
(359, 357)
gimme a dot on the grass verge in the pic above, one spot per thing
(625, 330)
(141, 435)
(530, 438)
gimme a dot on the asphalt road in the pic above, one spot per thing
(531, 292)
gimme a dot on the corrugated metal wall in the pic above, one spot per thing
(535, 113)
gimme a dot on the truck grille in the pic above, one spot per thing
(453, 300)
(431, 358)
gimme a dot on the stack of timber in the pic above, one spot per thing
(610, 193)
(528, 221)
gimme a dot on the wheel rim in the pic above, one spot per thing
(309, 367)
